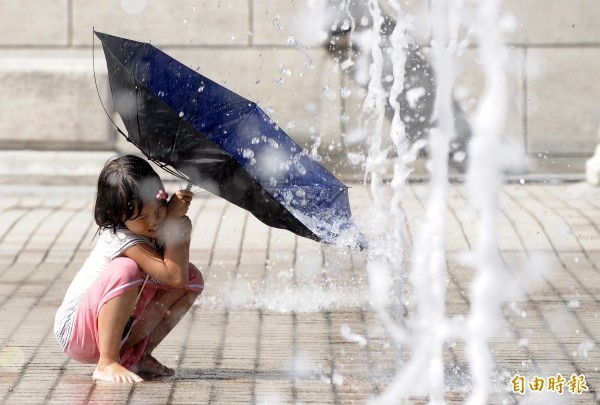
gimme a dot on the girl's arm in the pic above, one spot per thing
(170, 268)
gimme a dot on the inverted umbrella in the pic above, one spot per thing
(222, 142)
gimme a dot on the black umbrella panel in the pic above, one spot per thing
(224, 143)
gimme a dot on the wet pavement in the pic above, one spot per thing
(286, 320)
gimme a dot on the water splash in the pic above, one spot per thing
(428, 328)
(384, 264)
(484, 181)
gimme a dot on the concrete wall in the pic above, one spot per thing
(554, 58)
(46, 72)
(50, 103)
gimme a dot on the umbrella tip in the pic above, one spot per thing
(99, 34)
(361, 242)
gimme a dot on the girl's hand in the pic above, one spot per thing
(179, 203)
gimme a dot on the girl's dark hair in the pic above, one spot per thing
(124, 184)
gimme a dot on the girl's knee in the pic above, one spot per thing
(196, 281)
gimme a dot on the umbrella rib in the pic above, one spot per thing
(137, 120)
(98, 90)
(227, 104)
(112, 94)
(176, 139)
(254, 108)
(170, 170)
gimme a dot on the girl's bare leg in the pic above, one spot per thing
(161, 315)
(111, 321)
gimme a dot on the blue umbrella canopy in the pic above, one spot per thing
(222, 142)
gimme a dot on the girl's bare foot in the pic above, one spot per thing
(114, 372)
(149, 365)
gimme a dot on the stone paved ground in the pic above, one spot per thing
(268, 328)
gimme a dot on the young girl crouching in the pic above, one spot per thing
(137, 283)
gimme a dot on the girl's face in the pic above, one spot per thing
(149, 221)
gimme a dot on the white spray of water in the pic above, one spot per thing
(397, 243)
(399, 42)
(374, 109)
(424, 372)
(484, 184)
(376, 167)
(385, 259)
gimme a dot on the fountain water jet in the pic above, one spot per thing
(428, 262)
(385, 259)
(484, 185)
(428, 328)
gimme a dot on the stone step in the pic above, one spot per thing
(81, 168)
(51, 102)
(29, 167)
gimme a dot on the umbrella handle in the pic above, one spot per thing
(188, 187)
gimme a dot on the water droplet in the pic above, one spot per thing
(284, 71)
(459, 156)
(301, 169)
(277, 23)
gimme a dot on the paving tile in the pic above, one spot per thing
(194, 391)
(103, 392)
(279, 358)
(273, 392)
(241, 340)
